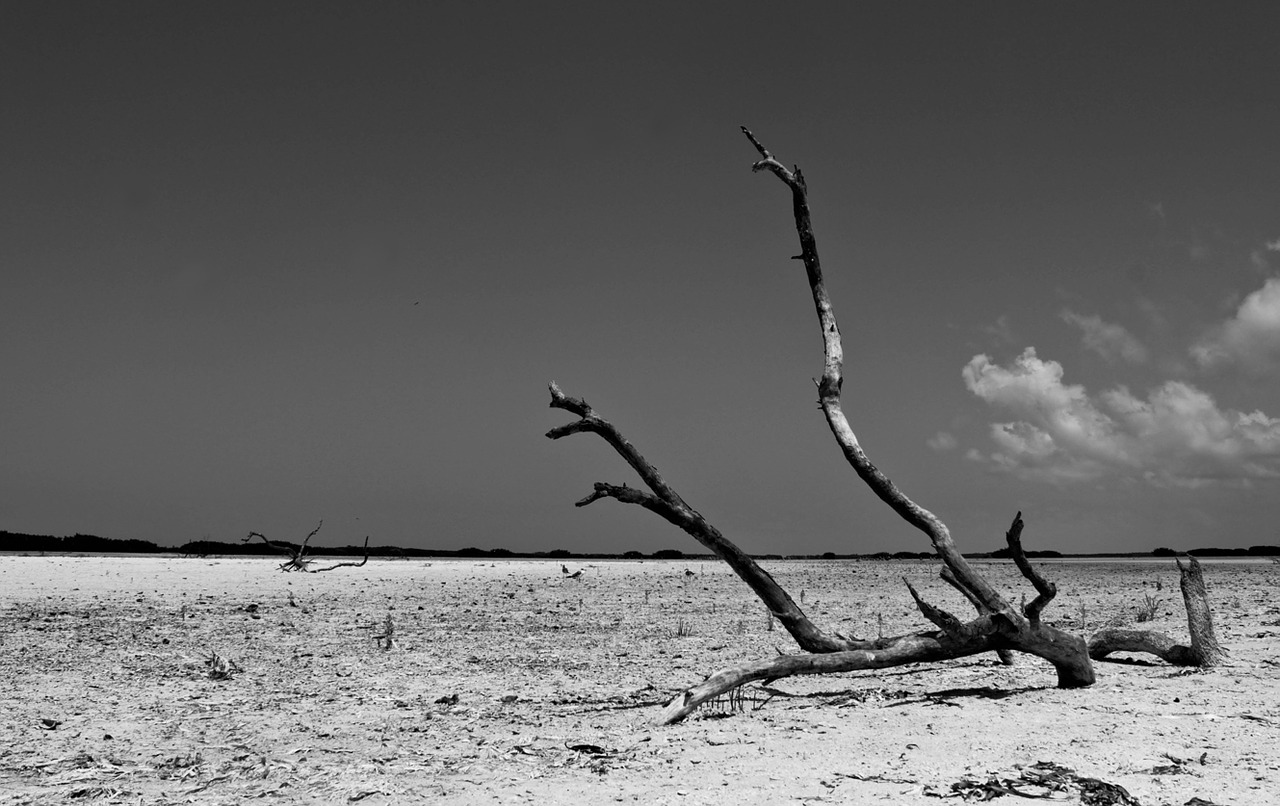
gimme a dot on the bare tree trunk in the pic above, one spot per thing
(1205, 651)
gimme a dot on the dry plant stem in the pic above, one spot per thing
(1204, 652)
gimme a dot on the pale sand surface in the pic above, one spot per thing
(320, 714)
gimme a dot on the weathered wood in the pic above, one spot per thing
(1045, 589)
(1005, 655)
(1204, 651)
(829, 389)
(665, 501)
(999, 626)
(1022, 631)
(917, 648)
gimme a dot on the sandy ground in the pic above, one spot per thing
(511, 683)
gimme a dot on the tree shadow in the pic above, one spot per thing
(977, 692)
(1129, 661)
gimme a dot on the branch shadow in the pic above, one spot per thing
(1121, 661)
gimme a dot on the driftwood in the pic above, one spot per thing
(1205, 651)
(298, 559)
(999, 625)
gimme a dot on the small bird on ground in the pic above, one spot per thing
(564, 569)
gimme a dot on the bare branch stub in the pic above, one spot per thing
(630, 495)
(1204, 651)
(1045, 589)
(1204, 639)
(944, 620)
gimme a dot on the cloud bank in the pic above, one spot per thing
(1250, 339)
(1176, 436)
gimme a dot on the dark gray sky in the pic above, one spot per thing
(265, 263)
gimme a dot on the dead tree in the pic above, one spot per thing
(1205, 651)
(298, 559)
(999, 625)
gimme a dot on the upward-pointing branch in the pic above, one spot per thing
(829, 389)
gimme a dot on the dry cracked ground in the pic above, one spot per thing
(224, 681)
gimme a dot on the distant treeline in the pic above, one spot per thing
(1252, 551)
(15, 541)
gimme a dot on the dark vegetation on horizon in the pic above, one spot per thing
(16, 541)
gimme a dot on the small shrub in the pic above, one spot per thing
(1149, 607)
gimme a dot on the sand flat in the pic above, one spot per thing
(558, 682)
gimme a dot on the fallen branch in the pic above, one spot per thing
(916, 648)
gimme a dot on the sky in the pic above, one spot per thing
(265, 264)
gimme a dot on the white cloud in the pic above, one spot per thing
(1274, 246)
(1108, 340)
(942, 441)
(1251, 338)
(1177, 436)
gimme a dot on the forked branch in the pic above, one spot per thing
(665, 501)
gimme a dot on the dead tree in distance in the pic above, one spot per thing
(999, 626)
(298, 559)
